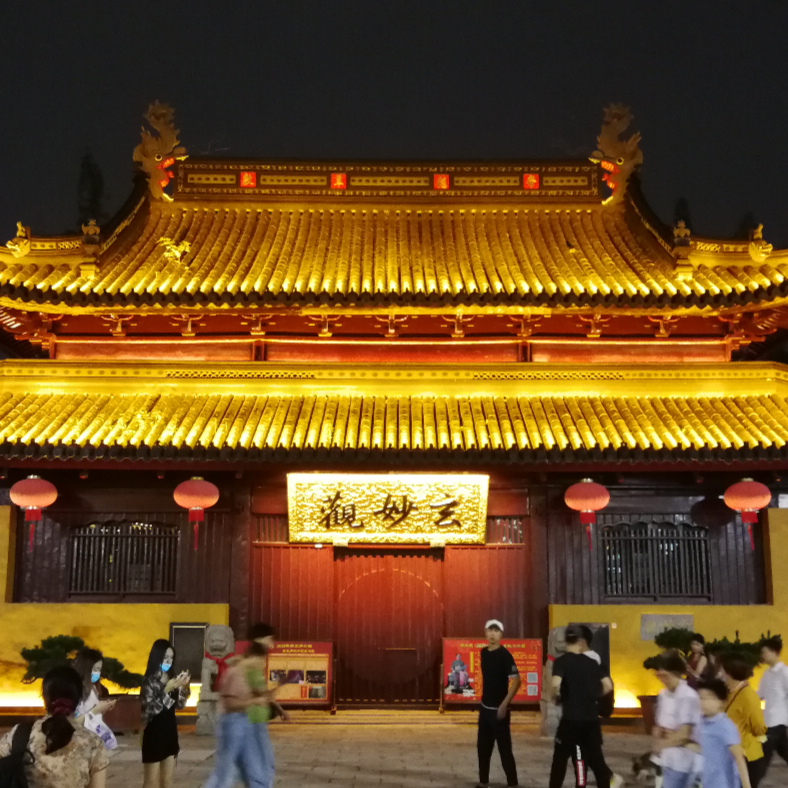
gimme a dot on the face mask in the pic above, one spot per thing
(94, 677)
(165, 667)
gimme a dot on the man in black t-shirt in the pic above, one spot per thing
(500, 682)
(578, 683)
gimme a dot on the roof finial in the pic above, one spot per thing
(156, 155)
(617, 157)
(20, 246)
(759, 249)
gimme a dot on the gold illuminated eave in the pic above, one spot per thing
(518, 413)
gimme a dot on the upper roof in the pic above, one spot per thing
(204, 412)
(345, 235)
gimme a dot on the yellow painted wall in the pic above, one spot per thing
(7, 553)
(627, 650)
(124, 631)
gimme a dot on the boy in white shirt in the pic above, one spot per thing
(773, 689)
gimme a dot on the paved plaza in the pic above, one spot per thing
(420, 750)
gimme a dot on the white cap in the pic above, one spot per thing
(494, 622)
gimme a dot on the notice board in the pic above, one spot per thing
(462, 669)
(300, 672)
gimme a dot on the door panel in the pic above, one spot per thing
(389, 625)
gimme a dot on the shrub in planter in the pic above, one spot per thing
(61, 650)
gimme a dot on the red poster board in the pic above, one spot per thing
(300, 672)
(462, 675)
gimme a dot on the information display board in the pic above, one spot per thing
(462, 669)
(300, 672)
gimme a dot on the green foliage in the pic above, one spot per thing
(675, 639)
(114, 671)
(54, 651)
(61, 650)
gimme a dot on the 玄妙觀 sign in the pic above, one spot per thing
(372, 508)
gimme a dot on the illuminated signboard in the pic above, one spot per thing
(369, 508)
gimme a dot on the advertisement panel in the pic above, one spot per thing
(300, 672)
(462, 669)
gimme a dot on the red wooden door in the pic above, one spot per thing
(389, 625)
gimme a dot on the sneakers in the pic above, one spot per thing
(616, 781)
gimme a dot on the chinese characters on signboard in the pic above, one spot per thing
(378, 508)
(462, 669)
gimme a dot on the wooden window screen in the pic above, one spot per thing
(505, 530)
(123, 558)
(657, 556)
(272, 528)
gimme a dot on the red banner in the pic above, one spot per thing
(462, 669)
(299, 672)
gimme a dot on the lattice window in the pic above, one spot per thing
(657, 556)
(272, 528)
(505, 530)
(123, 557)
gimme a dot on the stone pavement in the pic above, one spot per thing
(424, 750)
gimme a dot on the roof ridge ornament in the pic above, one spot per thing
(682, 246)
(759, 250)
(20, 245)
(618, 157)
(156, 154)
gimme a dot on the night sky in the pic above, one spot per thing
(494, 80)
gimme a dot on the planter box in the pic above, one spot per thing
(648, 706)
(126, 717)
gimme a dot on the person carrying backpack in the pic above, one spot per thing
(53, 752)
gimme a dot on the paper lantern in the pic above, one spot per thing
(587, 497)
(32, 495)
(196, 495)
(747, 497)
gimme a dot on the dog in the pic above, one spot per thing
(646, 771)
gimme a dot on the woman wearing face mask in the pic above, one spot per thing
(161, 695)
(95, 700)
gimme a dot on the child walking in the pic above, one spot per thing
(724, 764)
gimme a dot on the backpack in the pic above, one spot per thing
(12, 767)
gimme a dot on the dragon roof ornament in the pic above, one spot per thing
(156, 154)
(618, 158)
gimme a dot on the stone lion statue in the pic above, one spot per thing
(551, 714)
(219, 653)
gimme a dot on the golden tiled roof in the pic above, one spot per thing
(383, 255)
(519, 413)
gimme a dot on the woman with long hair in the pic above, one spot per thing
(90, 712)
(89, 663)
(161, 695)
(744, 708)
(62, 754)
(697, 662)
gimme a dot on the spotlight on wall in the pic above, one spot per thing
(83, 474)
(160, 475)
(3, 473)
(239, 474)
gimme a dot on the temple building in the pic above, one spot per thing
(392, 372)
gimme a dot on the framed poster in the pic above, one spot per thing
(300, 672)
(462, 669)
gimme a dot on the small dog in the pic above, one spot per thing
(646, 771)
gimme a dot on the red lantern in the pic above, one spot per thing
(196, 495)
(747, 497)
(587, 497)
(32, 495)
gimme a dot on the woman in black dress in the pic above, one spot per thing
(161, 695)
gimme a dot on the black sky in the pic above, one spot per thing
(493, 79)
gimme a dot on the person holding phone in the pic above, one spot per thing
(95, 698)
(161, 695)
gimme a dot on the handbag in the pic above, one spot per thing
(95, 724)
